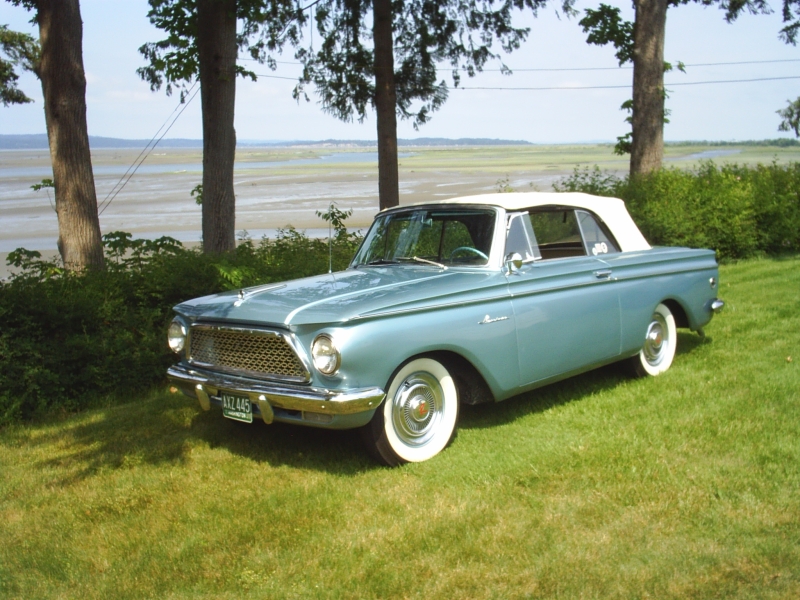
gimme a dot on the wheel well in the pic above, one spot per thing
(681, 320)
(472, 387)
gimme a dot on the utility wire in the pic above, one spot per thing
(548, 69)
(126, 177)
(611, 87)
(628, 68)
(275, 77)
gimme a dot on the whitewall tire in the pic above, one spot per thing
(660, 343)
(418, 418)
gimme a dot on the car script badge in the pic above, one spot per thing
(488, 319)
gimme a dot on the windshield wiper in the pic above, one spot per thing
(424, 261)
(377, 262)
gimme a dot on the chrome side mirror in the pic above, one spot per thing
(513, 262)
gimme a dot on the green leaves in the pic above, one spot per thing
(69, 340)
(425, 34)
(45, 184)
(174, 63)
(605, 26)
(740, 211)
(22, 51)
(790, 117)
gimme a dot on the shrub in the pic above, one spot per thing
(69, 341)
(738, 210)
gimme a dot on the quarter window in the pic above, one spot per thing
(595, 237)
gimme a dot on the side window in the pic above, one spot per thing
(595, 236)
(558, 233)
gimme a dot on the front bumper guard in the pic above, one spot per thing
(206, 386)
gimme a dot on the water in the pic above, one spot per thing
(706, 155)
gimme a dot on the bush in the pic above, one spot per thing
(69, 341)
(738, 210)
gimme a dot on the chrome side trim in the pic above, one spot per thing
(288, 397)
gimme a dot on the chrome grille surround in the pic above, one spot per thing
(262, 353)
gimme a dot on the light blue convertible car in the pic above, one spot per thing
(470, 300)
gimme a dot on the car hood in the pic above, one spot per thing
(344, 296)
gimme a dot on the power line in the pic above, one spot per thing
(610, 87)
(126, 177)
(558, 69)
(275, 77)
(628, 68)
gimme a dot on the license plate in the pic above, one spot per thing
(237, 408)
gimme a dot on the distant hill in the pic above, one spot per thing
(39, 142)
(400, 142)
(779, 142)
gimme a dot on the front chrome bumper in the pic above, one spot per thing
(271, 399)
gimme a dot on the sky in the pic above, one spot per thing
(120, 104)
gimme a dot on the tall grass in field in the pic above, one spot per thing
(686, 485)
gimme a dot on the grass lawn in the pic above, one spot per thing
(681, 486)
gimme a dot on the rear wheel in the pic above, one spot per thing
(660, 343)
(418, 418)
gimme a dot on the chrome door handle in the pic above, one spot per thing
(604, 274)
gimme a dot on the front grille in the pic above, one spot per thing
(247, 351)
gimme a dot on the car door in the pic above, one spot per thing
(566, 306)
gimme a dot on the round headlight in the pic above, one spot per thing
(176, 336)
(326, 356)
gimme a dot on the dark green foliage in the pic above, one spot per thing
(790, 117)
(738, 210)
(605, 26)
(21, 51)
(426, 35)
(175, 62)
(69, 341)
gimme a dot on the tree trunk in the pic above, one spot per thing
(217, 50)
(385, 104)
(647, 148)
(64, 89)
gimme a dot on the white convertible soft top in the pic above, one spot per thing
(611, 210)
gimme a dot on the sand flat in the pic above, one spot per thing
(281, 186)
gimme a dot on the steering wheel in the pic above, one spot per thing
(469, 249)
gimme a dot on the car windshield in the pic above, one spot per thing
(439, 237)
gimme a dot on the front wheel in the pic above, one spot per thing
(660, 343)
(418, 417)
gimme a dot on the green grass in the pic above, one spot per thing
(681, 486)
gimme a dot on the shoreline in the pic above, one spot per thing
(280, 187)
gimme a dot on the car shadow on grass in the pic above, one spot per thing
(166, 428)
(572, 389)
(339, 452)
(162, 428)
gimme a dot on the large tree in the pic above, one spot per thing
(642, 43)
(60, 69)
(790, 116)
(203, 44)
(392, 65)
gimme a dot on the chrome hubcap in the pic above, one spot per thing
(656, 342)
(417, 408)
